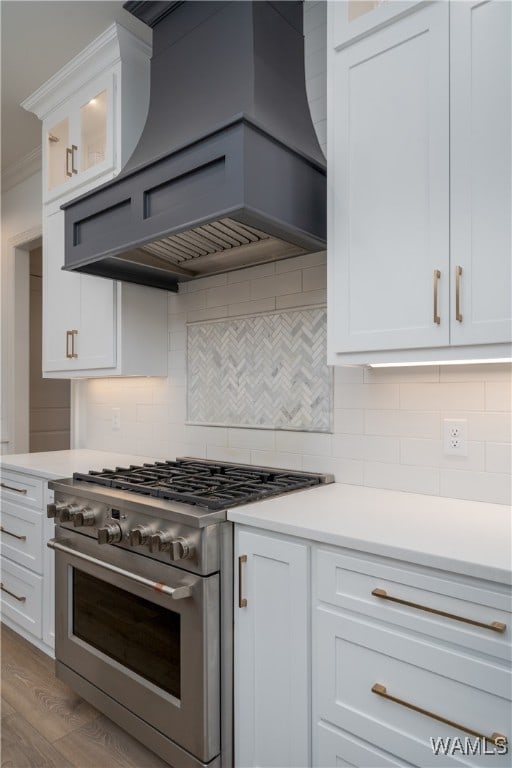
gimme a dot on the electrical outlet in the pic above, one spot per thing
(455, 437)
(116, 418)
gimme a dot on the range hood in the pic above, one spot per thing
(228, 171)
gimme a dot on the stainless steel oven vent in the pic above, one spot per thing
(228, 171)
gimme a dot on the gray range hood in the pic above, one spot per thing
(228, 171)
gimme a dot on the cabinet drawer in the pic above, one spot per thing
(21, 596)
(333, 748)
(22, 489)
(353, 655)
(21, 536)
(348, 582)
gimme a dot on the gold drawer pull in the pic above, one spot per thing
(495, 626)
(242, 601)
(12, 488)
(14, 535)
(496, 738)
(21, 599)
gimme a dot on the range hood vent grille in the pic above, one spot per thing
(219, 236)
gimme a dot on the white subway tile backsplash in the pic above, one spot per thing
(401, 478)
(230, 453)
(366, 448)
(498, 458)
(252, 307)
(485, 425)
(476, 486)
(263, 439)
(207, 435)
(301, 262)
(304, 442)
(314, 279)
(201, 283)
(378, 396)
(498, 396)
(222, 296)
(304, 299)
(414, 373)
(177, 340)
(275, 459)
(434, 396)
(275, 285)
(429, 453)
(250, 273)
(349, 421)
(200, 315)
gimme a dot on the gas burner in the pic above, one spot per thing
(211, 485)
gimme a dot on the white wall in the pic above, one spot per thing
(387, 422)
(21, 229)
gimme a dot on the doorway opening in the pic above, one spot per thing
(49, 399)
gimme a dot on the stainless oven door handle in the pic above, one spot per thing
(176, 593)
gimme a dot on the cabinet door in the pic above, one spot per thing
(481, 131)
(388, 145)
(61, 298)
(79, 311)
(79, 138)
(94, 107)
(272, 725)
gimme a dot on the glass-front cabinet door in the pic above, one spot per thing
(79, 138)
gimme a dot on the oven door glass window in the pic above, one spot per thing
(140, 635)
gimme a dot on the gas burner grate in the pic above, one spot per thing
(205, 484)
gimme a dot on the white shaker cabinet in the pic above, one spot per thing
(26, 587)
(481, 171)
(419, 195)
(272, 713)
(93, 111)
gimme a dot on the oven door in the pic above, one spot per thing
(143, 632)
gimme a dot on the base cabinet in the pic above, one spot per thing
(409, 665)
(26, 594)
(272, 713)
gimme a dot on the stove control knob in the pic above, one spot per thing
(68, 513)
(139, 535)
(181, 549)
(159, 541)
(110, 534)
(54, 510)
(84, 516)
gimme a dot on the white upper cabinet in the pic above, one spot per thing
(481, 171)
(78, 139)
(419, 182)
(93, 112)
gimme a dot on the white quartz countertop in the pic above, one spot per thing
(468, 537)
(55, 465)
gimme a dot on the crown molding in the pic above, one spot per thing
(103, 52)
(22, 169)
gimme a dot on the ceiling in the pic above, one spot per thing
(37, 39)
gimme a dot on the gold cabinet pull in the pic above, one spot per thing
(69, 156)
(495, 738)
(20, 598)
(12, 488)
(14, 535)
(458, 275)
(242, 602)
(495, 626)
(71, 335)
(437, 276)
(74, 149)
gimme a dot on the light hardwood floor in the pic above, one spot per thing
(46, 725)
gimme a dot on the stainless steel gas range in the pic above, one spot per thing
(144, 597)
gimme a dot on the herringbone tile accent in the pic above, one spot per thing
(267, 371)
